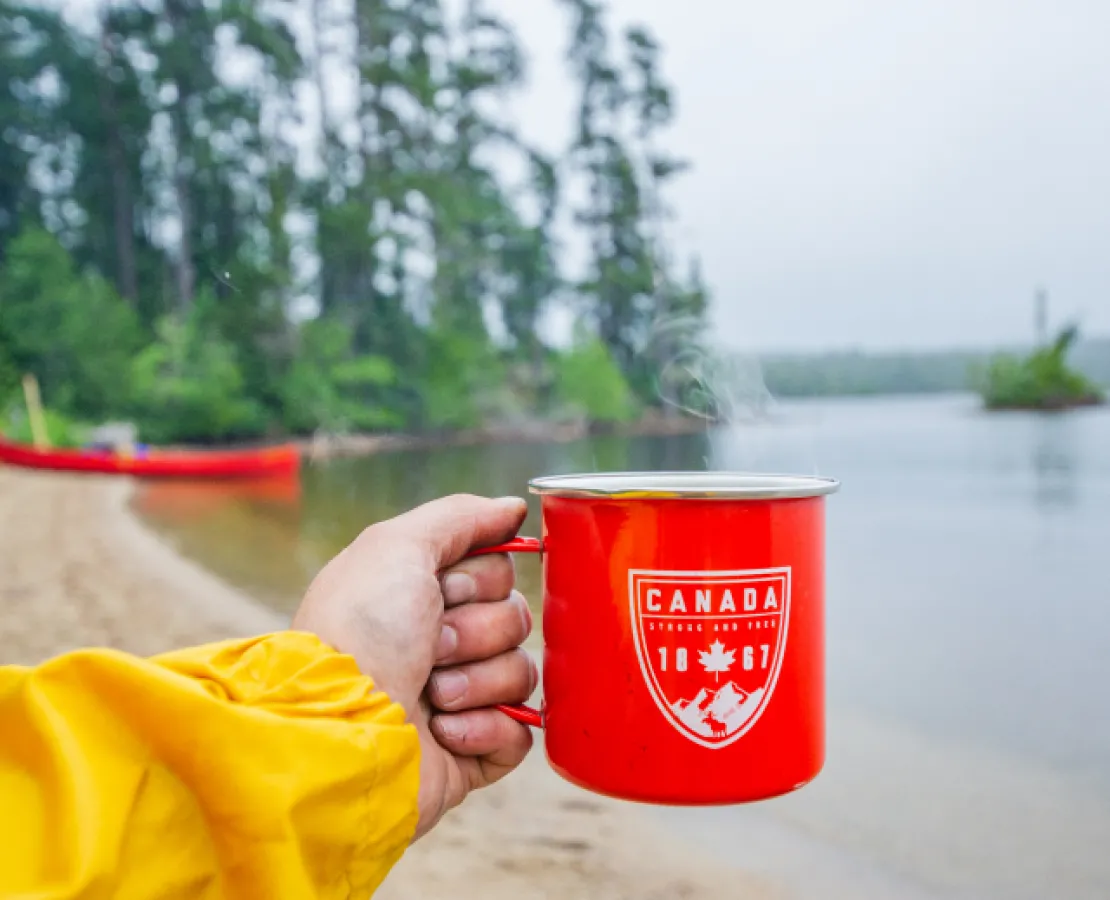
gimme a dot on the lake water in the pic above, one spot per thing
(968, 629)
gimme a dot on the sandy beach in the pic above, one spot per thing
(77, 568)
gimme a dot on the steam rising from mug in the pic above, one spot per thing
(705, 379)
(724, 386)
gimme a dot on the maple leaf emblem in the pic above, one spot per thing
(717, 660)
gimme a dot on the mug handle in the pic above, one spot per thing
(520, 713)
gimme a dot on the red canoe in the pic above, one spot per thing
(264, 462)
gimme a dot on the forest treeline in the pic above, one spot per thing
(223, 219)
(862, 373)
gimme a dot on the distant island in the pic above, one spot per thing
(1041, 380)
(1059, 374)
(861, 373)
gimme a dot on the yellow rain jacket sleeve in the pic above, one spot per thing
(266, 768)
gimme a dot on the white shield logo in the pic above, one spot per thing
(710, 646)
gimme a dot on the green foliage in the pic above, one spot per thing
(630, 283)
(156, 226)
(330, 387)
(1041, 380)
(462, 379)
(22, 43)
(187, 386)
(71, 330)
(589, 382)
(62, 431)
(9, 377)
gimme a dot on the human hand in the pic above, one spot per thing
(439, 634)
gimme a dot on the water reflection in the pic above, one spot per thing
(198, 499)
(1054, 461)
(248, 532)
(956, 459)
(272, 538)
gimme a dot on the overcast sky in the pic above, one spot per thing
(877, 174)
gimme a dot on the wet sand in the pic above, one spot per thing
(77, 569)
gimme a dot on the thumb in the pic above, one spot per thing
(453, 526)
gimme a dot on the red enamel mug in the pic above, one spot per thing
(683, 625)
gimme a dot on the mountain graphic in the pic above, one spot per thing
(720, 713)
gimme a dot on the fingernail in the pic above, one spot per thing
(450, 685)
(451, 727)
(515, 502)
(448, 641)
(458, 587)
(533, 674)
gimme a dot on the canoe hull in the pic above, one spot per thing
(266, 462)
